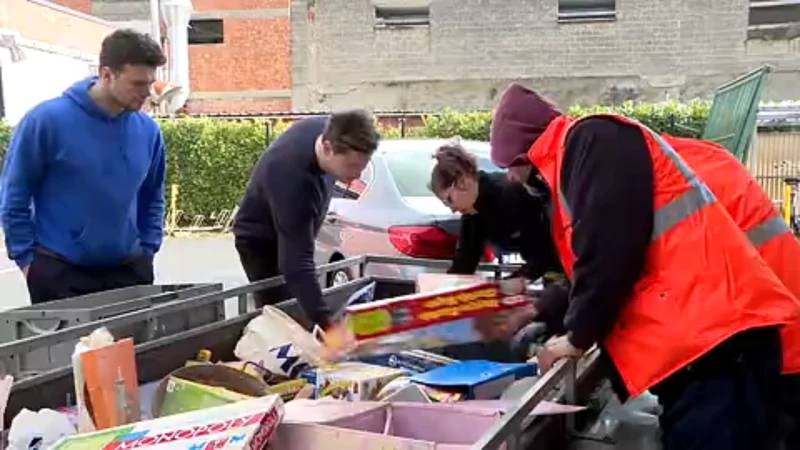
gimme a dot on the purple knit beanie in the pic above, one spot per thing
(520, 118)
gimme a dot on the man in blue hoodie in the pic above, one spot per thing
(83, 202)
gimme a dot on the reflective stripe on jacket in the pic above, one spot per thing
(702, 281)
(753, 210)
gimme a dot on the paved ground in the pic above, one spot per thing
(187, 259)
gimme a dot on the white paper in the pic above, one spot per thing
(5, 392)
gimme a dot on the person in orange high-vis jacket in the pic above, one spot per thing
(662, 277)
(754, 212)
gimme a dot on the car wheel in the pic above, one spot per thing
(339, 277)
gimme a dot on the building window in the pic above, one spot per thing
(774, 19)
(206, 31)
(586, 10)
(398, 13)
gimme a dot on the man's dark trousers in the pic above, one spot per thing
(789, 422)
(53, 278)
(260, 261)
(726, 399)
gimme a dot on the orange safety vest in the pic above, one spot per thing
(702, 282)
(753, 211)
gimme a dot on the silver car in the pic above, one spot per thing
(390, 211)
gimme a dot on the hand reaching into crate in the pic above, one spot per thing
(556, 348)
(337, 341)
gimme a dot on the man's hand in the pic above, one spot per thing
(556, 348)
(502, 325)
(337, 340)
(25, 271)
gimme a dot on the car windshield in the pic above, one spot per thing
(411, 167)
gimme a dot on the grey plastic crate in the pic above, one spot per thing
(46, 318)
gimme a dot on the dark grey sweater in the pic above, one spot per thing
(283, 207)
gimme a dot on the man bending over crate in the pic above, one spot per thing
(287, 198)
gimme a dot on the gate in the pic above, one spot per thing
(776, 154)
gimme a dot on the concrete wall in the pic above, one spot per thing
(653, 49)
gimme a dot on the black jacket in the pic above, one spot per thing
(511, 218)
(282, 211)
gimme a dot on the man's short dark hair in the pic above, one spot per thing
(129, 47)
(352, 130)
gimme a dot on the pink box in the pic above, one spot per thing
(400, 426)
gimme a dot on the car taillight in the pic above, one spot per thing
(423, 241)
(488, 254)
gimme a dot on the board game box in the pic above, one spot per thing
(437, 318)
(246, 425)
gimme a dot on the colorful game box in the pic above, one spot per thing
(431, 319)
(244, 425)
(353, 381)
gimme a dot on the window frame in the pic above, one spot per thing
(771, 30)
(587, 13)
(210, 40)
(401, 14)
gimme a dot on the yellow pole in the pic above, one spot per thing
(173, 207)
(786, 205)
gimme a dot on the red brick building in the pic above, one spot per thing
(239, 56)
(84, 6)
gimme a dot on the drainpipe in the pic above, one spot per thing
(155, 21)
(176, 15)
(155, 33)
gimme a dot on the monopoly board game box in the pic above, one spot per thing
(437, 318)
(246, 425)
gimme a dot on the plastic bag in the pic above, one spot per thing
(38, 430)
(276, 342)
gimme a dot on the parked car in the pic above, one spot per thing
(391, 211)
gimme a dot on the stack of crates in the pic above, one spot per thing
(41, 319)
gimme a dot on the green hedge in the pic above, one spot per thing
(211, 159)
(5, 137)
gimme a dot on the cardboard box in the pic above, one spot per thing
(112, 387)
(288, 389)
(428, 282)
(245, 425)
(371, 425)
(184, 396)
(411, 361)
(432, 319)
(355, 381)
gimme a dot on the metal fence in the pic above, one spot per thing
(776, 148)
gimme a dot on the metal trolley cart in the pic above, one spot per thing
(566, 381)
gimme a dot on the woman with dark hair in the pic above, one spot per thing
(504, 214)
(494, 211)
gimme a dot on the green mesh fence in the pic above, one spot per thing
(732, 118)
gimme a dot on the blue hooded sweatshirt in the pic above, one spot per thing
(83, 184)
